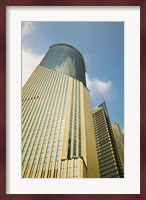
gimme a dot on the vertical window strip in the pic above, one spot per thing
(71, 120)
(62, 168)
(63, 117)
(69, 166)
(75, 119)
(79, 122)
(75, 170)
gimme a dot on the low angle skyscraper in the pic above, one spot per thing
(108, 156)
(119, 141)
(57, 126)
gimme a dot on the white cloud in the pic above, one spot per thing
(29, 59)
(27, 28)
(98, 87)
(29, 62)
(102, 87)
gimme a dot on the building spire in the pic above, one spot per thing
(102, 97)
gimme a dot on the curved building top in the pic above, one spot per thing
(66, 59)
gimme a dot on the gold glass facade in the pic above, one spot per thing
(119, 141)
(57, 127)
(109, 161)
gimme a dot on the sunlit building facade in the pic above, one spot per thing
(57, 125)
(108, 156)
(119, 141)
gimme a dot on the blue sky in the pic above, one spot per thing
(102, 46)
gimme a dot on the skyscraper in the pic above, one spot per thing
(108, 157)
(57, 125)
(119, 141)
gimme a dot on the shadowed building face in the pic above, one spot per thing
(119, 141)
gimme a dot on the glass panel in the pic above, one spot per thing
(65, 59)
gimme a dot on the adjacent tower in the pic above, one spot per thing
(119, 141)
(57, 125)
(108, 156)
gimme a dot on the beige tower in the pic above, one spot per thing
(57, 126)
(119, 141)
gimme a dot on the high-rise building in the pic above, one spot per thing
(119, 141)
(57, 125)
(108, 157)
